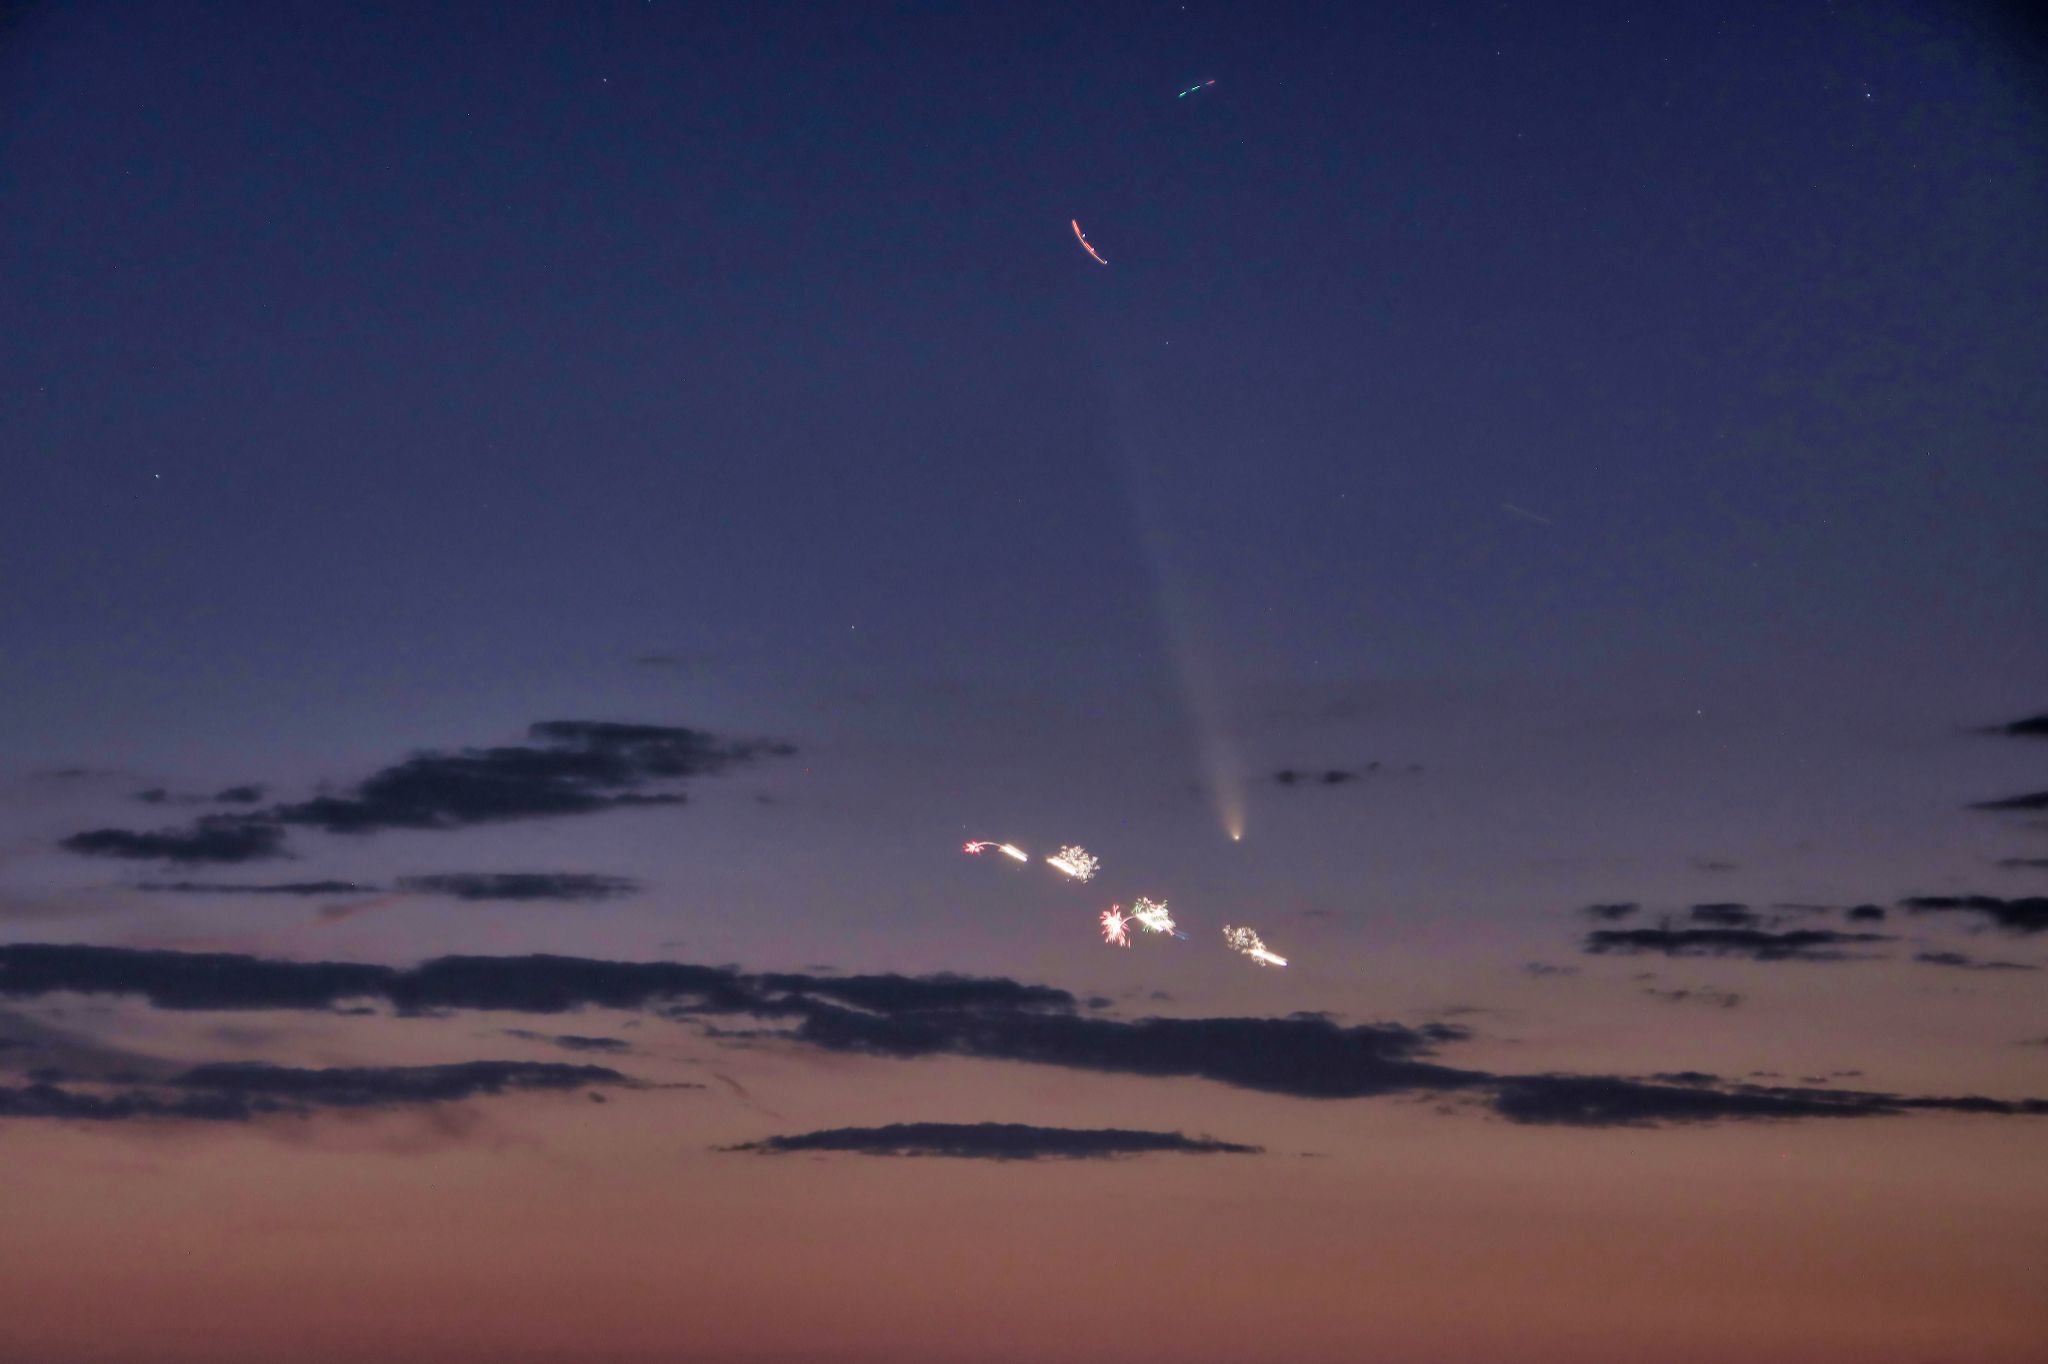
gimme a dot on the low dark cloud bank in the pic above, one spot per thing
(1805, 944)
(2026, 915)
(905, 1018)
(1964, 961)
(242, 1091)
(993, 1141)
(571, 1041)
(2033, 727)
(570, 767)
(1611, 912)
(1601, 1101)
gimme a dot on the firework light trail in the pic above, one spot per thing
(1076, 861)
(1082, 237)
(1245, 941)
(1151, 916)
(1005, 849)
(1198, 85)
(1116, 929)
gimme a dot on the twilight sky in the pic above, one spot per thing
(534, 533)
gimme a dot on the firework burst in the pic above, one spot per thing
(1247, 942)
(1116, 929)
(1151, 916)
(1076, 861)
(1005, 849)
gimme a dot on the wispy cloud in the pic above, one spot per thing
(1966, 962)
(257, 888)
(1718, 999)
(520, 885)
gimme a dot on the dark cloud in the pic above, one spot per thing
(2033, 800)
(47, 1100)
(1611, 912)
(1726, 915)
(186, 980)
(520, 885)
(2033, 727)
(155, 795)
(1806, 944)
(240, 795)
(2024, 863)
(533, 984)
(2026, 915)
(1333, 776)
(1969, 963)
(1540, 969)
(1607, 1101)
(1304, 1056)
(571, 1041)
(1719, 999)
(993, 1141)
(1866, 914)
(258, 888)
(382, 1086)
(571, 767)
(1712, 864)
(217, 838)
(240, 1091)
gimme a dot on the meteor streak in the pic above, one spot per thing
(1005, 849)
(1247, 942)
(1076, 862)
(1083, 239)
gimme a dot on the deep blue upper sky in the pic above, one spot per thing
(393, 376)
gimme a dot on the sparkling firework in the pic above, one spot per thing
(1004, 848)
(1245, 941)
(1199, 85)
(1151, 916)
(1076, 862)
(1116, 929)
